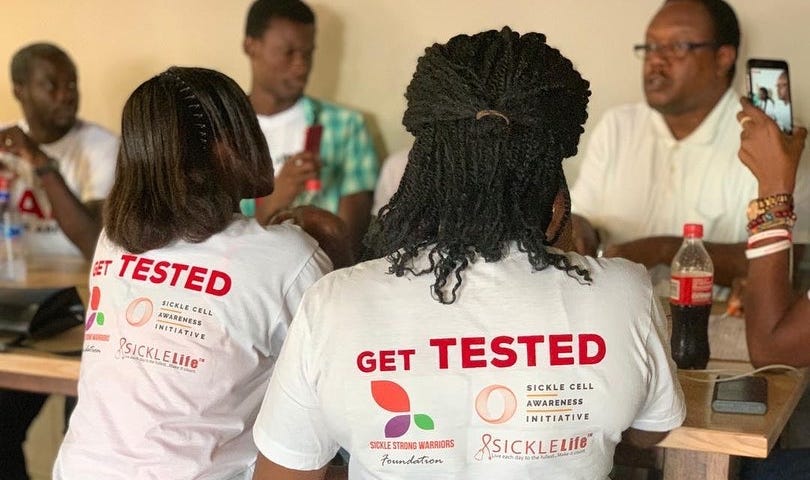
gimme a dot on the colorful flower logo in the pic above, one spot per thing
(94, 316)
(392, 397)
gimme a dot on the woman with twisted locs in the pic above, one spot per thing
(433, 360)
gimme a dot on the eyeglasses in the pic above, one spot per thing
(677, 50)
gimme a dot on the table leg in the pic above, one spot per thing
(690, 465)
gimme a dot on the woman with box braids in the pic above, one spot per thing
(493, 115)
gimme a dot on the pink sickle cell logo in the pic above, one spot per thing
(138, 317)
(393, 398)
(94, 316)
(482, 404)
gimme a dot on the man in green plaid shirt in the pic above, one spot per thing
(340, 175)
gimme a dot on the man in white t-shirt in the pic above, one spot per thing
(498, 355)
(337, 175)
(782, 111)
(61, 169)
(651, 167)
(390, 174)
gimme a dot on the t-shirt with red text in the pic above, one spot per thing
(86, 156)
(179, 345)
(527, 375)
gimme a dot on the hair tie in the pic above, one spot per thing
(485, 113)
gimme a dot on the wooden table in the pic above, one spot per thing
(36, 371)
(705, 445)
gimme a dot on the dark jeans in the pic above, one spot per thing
(17, 411)
(780, 465)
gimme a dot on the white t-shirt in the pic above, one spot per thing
(390, 175)
(179, 345)
(284, 133)
(87, 157)
(783, 115)
(528, 375)
(637, 181)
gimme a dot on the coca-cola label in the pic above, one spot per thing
(691, 289)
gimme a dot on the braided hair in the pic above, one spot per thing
(493, 115)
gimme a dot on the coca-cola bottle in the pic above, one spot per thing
(690, 299)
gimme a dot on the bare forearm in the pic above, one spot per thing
(728, 258)
(80, 223)
(268, 470)
(267, 207)
(355, 210)
(776, 325)
(729, 261)
(650, 251)
(585, 237)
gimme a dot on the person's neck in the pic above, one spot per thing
(266, 104)
(42, 135)
(682, 124)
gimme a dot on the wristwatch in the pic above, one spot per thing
(51, 165)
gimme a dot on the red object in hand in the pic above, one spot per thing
(312, 144)
(312, 139)
(312, 185)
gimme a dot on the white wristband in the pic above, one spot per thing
(764, 250)
(776, 233)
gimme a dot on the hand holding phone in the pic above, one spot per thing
(769, 90)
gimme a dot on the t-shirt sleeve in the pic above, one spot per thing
(101, 152)
(290, 429)
(664, 407)
(390, 175)
(315, 267)
(360, 164)
(587, 192)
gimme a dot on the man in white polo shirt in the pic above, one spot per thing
(651, 167)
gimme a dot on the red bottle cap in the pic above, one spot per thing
(312, 185)
(693, 230)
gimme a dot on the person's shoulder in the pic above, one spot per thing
(284, 243)
(358, 274)
(332, 110)
(614, 273)
(94, 133)
(627, 114)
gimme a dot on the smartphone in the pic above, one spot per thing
(312, 144)
(312, 138)
(769, 89)
(742, 395)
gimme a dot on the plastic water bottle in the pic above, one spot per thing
(692, 278)
(12, 251)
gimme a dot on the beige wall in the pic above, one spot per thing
(366, 48)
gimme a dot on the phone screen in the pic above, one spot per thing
(769, 87)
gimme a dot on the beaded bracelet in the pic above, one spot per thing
(770, 220)
(758, 206)
(764, 235)
(764, 250)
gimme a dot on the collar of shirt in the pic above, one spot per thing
(707, 131)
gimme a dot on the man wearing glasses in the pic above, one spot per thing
(651, 167)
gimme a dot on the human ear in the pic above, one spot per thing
(726, 56)
(249, 45)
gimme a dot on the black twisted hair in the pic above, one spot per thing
(471, 185)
